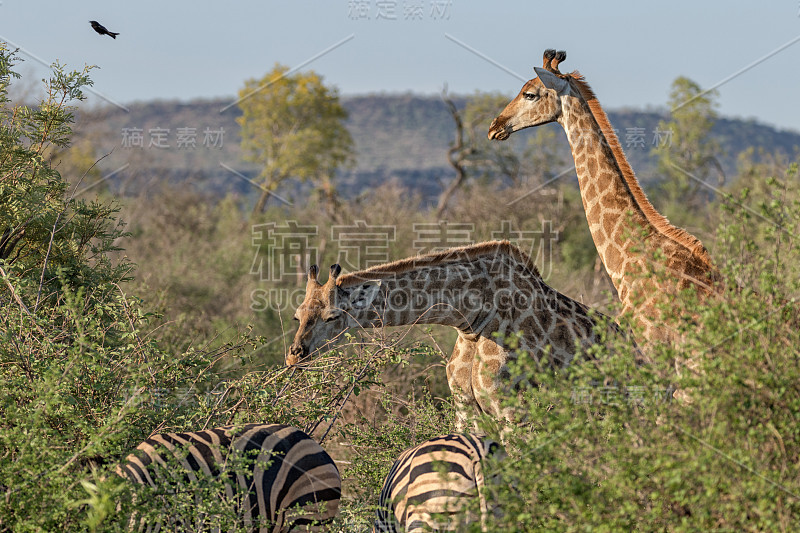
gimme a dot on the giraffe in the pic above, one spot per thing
(481, 290)
(648, 259)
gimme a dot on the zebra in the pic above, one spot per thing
(430, 485)
(280, 468)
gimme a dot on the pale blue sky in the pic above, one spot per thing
(629, 51)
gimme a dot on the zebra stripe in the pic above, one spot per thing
(430, 484)
(284, 468)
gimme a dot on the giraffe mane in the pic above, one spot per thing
(451, 255)
(659, 221)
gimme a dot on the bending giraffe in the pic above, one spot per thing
(648, 259)
(481, 290)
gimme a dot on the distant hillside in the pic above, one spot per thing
(404, 137)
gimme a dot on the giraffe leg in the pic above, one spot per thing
(491, 383)
(459, 378)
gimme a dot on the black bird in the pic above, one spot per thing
(99, 28)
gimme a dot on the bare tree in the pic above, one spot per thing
(471, 154)
(456, 156)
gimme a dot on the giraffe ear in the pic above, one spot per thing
(363, 295)
(550, 80)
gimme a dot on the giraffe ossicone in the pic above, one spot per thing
(489, 292)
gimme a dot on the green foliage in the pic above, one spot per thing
(194, 253)
(608, 449)
(78, 371)
(404, 419)
(88, 371)
(292, 126)
(84, 378)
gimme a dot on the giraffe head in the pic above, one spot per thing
(539, 101)
(327, 311)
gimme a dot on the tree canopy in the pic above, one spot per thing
(293, 126)
(687, 154)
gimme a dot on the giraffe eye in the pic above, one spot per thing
(530, 96)
(331, 314)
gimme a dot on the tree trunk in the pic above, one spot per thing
(266, 191)
(330, 199)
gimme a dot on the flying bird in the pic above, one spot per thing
(99, 28)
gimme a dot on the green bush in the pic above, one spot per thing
(88, 369)
(83, 374)
(610, 450)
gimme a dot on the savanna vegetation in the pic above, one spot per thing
(126, 315)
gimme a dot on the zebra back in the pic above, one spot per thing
(268, 470)
(429, 485)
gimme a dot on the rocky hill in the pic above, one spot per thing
(403, 137)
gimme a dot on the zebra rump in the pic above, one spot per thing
(275, 477)
(430, 485)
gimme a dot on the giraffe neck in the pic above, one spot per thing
(647, 258)
(624, 224)
(468, 294)
(442, 294)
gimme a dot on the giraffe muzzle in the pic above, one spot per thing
(496, 132)
(296, 353)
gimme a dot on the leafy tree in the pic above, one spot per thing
(82, 380)
(293, 127)
(687, 154)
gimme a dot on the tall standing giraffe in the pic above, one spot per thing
(648, 259)
(481, 290)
